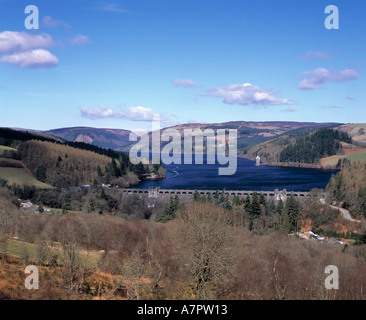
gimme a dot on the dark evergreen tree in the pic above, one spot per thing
(271, 208)
(285, 223)
(248, 205)
(236, 201)
(114, 170)
(216, 197)
(280, 207)
(293, 211)
(255, 206)
(196, 196)
(309, 149)
(139, 170)
(99, 172)
(41, 173)
(262, 199)
(362, 201)
(169, 211)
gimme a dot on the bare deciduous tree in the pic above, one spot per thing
(206, 248)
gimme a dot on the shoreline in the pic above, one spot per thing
(295, 165)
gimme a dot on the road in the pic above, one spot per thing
(346, 213)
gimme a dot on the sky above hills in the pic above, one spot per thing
(121, 64)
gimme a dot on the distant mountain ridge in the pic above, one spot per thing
(250, 133)
(117, 139)
(294, 147)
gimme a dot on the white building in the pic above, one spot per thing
(258, 161)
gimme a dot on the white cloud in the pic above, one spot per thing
(315, 79)
(185, 83)
(80, 40)
(99, 112)
(31, 59)
(49, 22)
(142, 114)
(13, 41)
(24, 50)
(133, 113)
(246, 94)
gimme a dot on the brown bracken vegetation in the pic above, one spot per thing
(202, 254)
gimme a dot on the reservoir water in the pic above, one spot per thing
(247, 177)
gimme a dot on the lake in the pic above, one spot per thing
(247, 177)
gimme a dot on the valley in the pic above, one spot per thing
(79, 212)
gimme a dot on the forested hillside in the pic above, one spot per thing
(301, 147)
(12, 138)
(61, 165)
(348, 188)
(311, 148)
(64, 164)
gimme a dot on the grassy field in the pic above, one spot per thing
(331, 161)
(21, 249)
(4, 148)
(352, 152)
(18, 248)
(21, 177)
(359, 156)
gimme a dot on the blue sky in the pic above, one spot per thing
(121, 64)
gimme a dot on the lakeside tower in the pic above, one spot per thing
(258, 161)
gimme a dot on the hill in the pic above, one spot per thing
(37, 133)
(356, 131)
(116, 139)
(314, 146)
(348, 189)
(15, 172)
(351, 153)
(64, 164)
(307, 147)
(4, 149)
(61, 165)
(250, 133)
